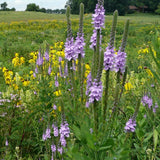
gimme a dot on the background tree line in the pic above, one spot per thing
(4, 7)
(111, 5)
(34, 7)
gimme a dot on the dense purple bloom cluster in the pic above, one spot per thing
(69, 50)
(79, 45)
(109, 59)
(39, 59)
(89, 83)
(130, 125)
(46, 55)
(93, 39)
(61, 134)
(47, 134)
(95, 91)
(147, 101)
(49, 70)
(120, 61)
(99, 17)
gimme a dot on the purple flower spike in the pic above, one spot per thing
(99, 17)
(36, 70)
(95, 91)
(109, 59)
(39, 60)
(6, 143)
(46, 55)
(62, 140)
(120, 61)
(130, 125)
(69, 50)
(55, 131)
(64, 130)
(56, 81)
(147, 101)
(79, 45)
(53, 148)
(60, 150)
(49, 70)
(94, 39)
(89, 83)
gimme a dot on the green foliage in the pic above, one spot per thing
(32, 7)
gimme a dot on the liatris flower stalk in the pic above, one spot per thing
(95, 91)
(109, 61)
(98, 21)
(39, 59)
(147, 101)
(46, 55)
(94, 96)
(130, 125)
(49, 70)
(120, 60)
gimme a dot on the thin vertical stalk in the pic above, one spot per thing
(95, 108)
(116, 92)
(105, 100)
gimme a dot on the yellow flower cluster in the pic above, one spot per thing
(33, 57)
(143, 51)
(18, 61)
(7, 75)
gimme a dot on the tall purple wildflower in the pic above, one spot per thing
(109, 59)
(53, 148)
(89, 83)
(49, 70)
(47, 134)
(46, 55)
(120, 61)
(99, 17)
(39, 59)
(93, 39)
(130, 125)
(79, 45)
(147, 101)
(69, 49)
(95, 91)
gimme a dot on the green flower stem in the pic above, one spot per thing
(95, 109)
(105, 100)
(114, 24)
(125, 34)
(97, 56)
(117, 92)
(69, 32)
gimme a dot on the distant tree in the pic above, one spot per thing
(157, 11)
(4, 6)
(13, 9)
(32, 7)
(42, 10)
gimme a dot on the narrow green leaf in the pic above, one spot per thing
(155, 137)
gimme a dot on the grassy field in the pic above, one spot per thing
(36, 98)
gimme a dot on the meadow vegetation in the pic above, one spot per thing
(41, 103)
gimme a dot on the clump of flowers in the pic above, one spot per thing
(120, 61)
(18, 61)
(60, 135)
(147, 101)
(130, 125)
(109, 59)
(95, 91)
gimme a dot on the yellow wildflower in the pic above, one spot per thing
(26, 83)
(128, 86)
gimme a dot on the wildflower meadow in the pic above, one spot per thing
(81, 87)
